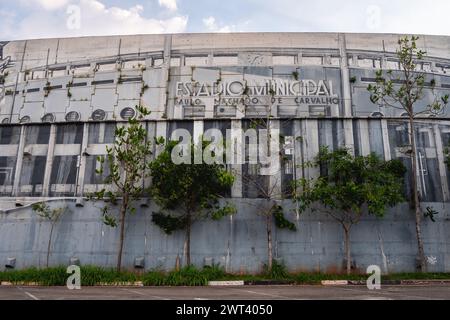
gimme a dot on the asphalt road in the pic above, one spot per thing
(409, 292)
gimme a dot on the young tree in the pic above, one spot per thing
(191, 191)
(349, 186)
(127, 164)
(269, 188)
(44, 211)
(270, 210)
(403, 90)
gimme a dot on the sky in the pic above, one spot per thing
(29, 19)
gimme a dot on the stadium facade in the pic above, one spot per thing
(60, 100)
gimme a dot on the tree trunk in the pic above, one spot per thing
(415, 195)
(123, 211)
(49, 242)
(269, 240)
(188, 238)
(347, 249)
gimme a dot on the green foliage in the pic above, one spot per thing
(396, 167)
(401, 90)
(127, 165)
(447, 157)
(277, 272)
(154, 278)
(280, 221)
(188, 276)
(353, 79)
(194, 189)
(46, 277)
(43, 210)
(168, 223)
(295, 74)
(57, 276)
(352, 184)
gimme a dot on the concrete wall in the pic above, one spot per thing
(112, 74)
(237, 243)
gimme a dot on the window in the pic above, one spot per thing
(101, 133)
(69, 134)
(9, 145)
(63, 176)
(92, 180)
(32, 175)
(34, 160)
(37, 134)
(9, 135)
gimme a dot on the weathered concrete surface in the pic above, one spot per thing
(72, 49)
(229, 293)
(238, 243)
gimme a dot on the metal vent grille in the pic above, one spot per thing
(49, 117)
(25, 119)
(98, 115)
(72, 116)
(127, 113)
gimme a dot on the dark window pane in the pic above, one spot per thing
(63, 177)
(69, 134)
(32, 175)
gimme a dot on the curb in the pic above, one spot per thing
(100, 284)
(225, 283)
(334, 282)
(417, 282)
(253, 283)
(269, 282)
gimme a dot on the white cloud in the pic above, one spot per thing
(169, 4)
(399, 16)
(211, 25)
(47, 4)
(95, 19)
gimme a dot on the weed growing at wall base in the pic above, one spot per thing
(187, 276)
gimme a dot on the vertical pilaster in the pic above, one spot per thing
(364, 137)
(275, 159)
(19, 161)
(161, 131)
(348, 135)
(346, 95)
(235, 156)
(345, 78)
(49, 163)
(386, 144)
(82, 162)
(163, 97)
(311, 145)
(197, 131)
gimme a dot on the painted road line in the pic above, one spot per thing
(28, 294)
(143, 294)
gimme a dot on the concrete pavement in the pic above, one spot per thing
(352, 292)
